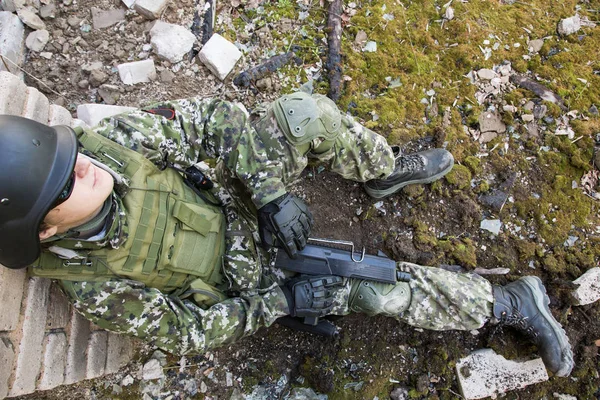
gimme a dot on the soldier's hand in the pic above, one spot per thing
(286, 223)
(311, 297)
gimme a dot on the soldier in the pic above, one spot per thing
(157, 223)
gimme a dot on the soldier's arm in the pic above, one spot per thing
(183, 132)
(176, 326)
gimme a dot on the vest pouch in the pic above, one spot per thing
(203, 294)
(193, 241)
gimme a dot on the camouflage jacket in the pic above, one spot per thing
(182, 133)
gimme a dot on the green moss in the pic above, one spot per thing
(460, 176)
(461, 251)
(474, 164)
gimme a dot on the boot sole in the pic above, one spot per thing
(542, 302)
(382, 193)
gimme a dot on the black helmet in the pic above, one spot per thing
(36, 161)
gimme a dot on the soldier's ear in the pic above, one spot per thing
(48, 231)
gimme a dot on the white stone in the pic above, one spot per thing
(484, 373)
(589, 287)
(171, 42)
(30, 18)
(36, 40)
(92, 114)
(486, 74)
(128, 380)
(527, 117)
(137, 72)
(151, 9)
(12, 33)
(570, 25)
(152, 370)
(491, 225)
(560, 396)
(219, 55)
(535, 46)
(491, 121)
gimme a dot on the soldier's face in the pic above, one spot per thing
(91, 188)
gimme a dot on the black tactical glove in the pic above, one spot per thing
(286, 223)
(311, 297)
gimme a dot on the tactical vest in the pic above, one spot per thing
(175, 242)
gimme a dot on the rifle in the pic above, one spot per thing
(322, 260)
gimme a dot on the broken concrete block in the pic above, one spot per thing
(36, 40)
(569, 26)
(76, 353)
(13, 94)
(151, 9)
(491, 122)
(7, 355)
(484, 373)
(589, 287)
(171, 42)
(11, 293)
(105, 18)
(128, 3)
(59, 116)
(29, 17)
(92, 114)
(97, 347)
(137, 72)
(219, 55)
(55, 358)
(12, 33)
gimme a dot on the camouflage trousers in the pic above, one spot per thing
(441, 300)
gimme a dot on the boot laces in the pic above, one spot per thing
(411, 162)
(518, 321)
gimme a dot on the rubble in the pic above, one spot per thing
(486, 74)
(491, 122)
(589, 287)
(151, 9)
(171, 42)
(219, 55)
(137, 72)
(29, 17)
(569, 25)
(152, 370)
(105, 18)
(37, 40)
(484, 373)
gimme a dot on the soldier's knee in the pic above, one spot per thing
(308, 121)
(374, 298)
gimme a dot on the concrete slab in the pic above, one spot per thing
(97, 348)
(55, 358)
(484, 373)
(589, 287)
(37, 106)
(151, 9)
(12, 41)
(171, 42)
(11, 292)
(7, 356)
(92, 114)
(77, 351)
(137, 72)
(13, 93)
(59, 309)
(119, 352)
(58, 115)
(29, 360)
(219, 55)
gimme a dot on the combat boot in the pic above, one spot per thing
(523, 304)
(423, 167)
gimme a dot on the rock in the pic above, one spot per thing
(171, 42)
(83, 84)
(137, 72)
(92, 114)
(105, 18)
(539, 111)
(219, 55)
(73, 21)
(361, 38)
(527, 117)
(109, 93)
(128, 380)
(47, 55)
(484, 373)
(129, 3)
(593, 110)
(152, 370)
(491, 225)
(12, 33)
(167, 76)
(449, 14)
(399, 393)
(560, 396)
(92, 66)
(48, 11)
(569, 25)
(486, 74)
(589, 287)
(37, 40)
(495, 200)
(534, 46)
(302, 393)
(30, 18)
(151, 9)
(510, 108)
(98, 77)
(486, 137)
(265, 84)
(491, 122)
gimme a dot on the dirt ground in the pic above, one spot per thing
(432, 225)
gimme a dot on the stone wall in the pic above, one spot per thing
(43, 342)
